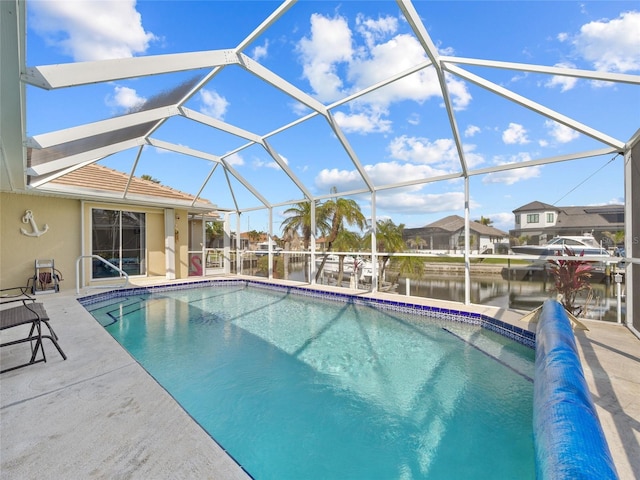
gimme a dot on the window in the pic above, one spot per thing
(518, 219)
(533, 218)
(120, 238)
(549, 217)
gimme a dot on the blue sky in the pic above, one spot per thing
(400, 132)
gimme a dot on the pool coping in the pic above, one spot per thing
(78, 418)
(508, 330)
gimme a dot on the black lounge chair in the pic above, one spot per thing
(28, 312)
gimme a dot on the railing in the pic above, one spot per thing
(109, 264)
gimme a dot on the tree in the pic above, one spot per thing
(340, 211)
(254, 235)
(416, 242)
(388, 240)
(345, 241)
(149, 178)
(412, 267)
(214, 230)
(485, 221)
(617, 238)
(299, 219)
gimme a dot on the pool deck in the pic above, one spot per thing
(100, 415)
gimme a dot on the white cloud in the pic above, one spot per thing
(261, 51)
(330, 44)
(611, 45)
(421, 150)
(414, 158)
(471, 130)
(515, 134)
(213, 104)
(335, 65)
(565, 83)
(235, 160)
(509, 177)
(92, 30)
(502, 221)
(125, 97)
(372, 30)
(343, 180)
(442, 153)
(419, 203)
(414, 119)
(396, 55)
(363, 122)
(559, 132)
(260, 163)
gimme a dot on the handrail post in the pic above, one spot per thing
(106, 262)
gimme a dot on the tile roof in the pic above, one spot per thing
(535, 206)
(97, 177)
(454, 223)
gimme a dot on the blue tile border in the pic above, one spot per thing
(512, 332)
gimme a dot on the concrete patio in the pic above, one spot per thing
(100, 415)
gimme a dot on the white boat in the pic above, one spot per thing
(580, 245)
(332, 263)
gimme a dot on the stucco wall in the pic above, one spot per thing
(18, 252)
(182, 244)
(154, 219)
(156, 264)
(63, 240)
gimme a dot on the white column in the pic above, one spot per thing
(170, 243)
(467, 243)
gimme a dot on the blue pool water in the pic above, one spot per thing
(299, 388)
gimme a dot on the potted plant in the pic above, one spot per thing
(572, 278)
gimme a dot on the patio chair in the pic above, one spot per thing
(26, 312)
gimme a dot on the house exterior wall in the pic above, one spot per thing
(63, 242)
(18, 252)
(156, 261)
(154, 240)
(539, 227)
(182, 244)
(537, 219)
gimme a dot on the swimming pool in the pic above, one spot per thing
(297, 387)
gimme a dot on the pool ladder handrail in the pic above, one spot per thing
(106, 262)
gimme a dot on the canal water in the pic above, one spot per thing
(494, 290)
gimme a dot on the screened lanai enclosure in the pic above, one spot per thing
(320, 130)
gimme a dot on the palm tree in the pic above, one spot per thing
(345, 241)
(416, 242)
(485, 221)
(149, 178)
(299, 219)
(617, 238)
(214, 230)
(341, 211)
(388, 240)
(412, 267)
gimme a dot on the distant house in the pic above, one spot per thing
(447, 235)
(540, 222)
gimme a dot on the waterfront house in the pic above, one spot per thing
(447, 235)
(539, 222)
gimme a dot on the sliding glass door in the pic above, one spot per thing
(120, 238)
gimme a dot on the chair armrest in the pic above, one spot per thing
(15, 294)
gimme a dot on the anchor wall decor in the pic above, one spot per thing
(28, 218)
